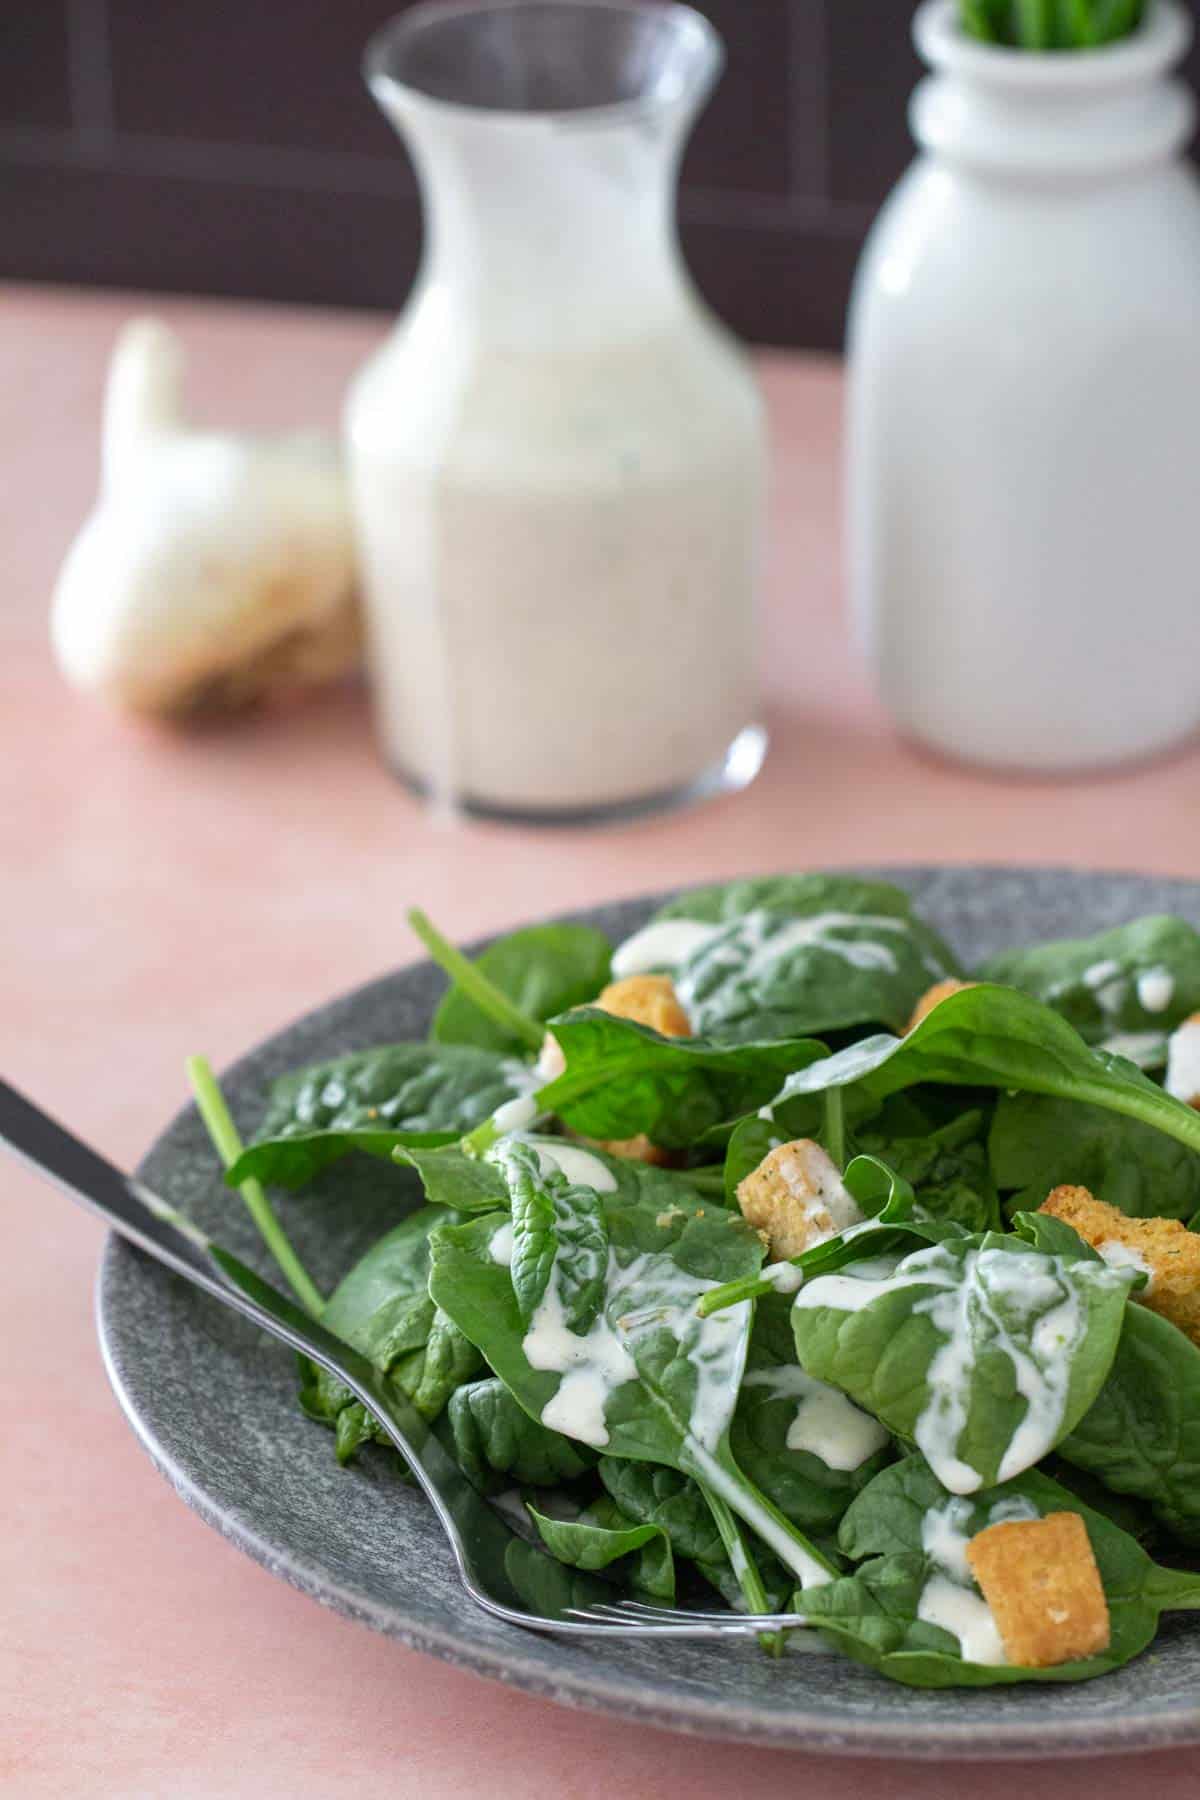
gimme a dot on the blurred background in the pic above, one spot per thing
(219, 147)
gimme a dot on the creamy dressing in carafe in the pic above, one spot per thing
(557, 459)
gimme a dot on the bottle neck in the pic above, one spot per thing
(1057, 118)
(548, 235)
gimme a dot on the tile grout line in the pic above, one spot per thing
(90, 75)
(144, 156)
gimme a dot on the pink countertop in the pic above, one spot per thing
(164, 894)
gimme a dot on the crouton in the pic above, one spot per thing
(647, 1000)
(1167, 1251)
(795, 1199)
(1040, 1579)
(1183, 1062)
(941, 990)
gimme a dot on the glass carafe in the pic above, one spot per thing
(557, 456)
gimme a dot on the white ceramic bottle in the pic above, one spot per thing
(557, 456)
(1024, 407)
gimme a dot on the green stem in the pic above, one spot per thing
(224, 1133)
(745, 1569)
(732, 1293)
(484, 993)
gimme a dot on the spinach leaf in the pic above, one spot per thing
(650, 1379)
(556, 1224)
(798, 955)
(382, 1307)
(803, 1444)
(1038, 1143)
(430, 1374)
(983, 1351)
(623, 1079)
(874, 1614)
(997, 1037)
(1141, 1436)
(450, 1178)
(652, 1494)
(543, 970)
(375, 1101)
(600, 1535)
(948, 1171)
(698, 1529)
(1139, 977)
(493, 1437)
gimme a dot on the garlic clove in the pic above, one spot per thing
(215, 567)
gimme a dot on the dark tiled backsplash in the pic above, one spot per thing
(229, 147)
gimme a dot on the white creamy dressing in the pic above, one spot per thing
(1124, 1256)
(827, 1423)
(989, 1298)
(1107, 983)
(545, 523)
(1155, 990)
(595, 1365)
(661, 945)
(1183, 1062)
(966, 1616)
(500, 1244)
(581, 1167)
(515, 1115)
(784, 1277)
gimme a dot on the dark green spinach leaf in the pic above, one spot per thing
(543, 970)
(599, 1536)
(983, 1351)
(623, 1079)
(493, 1437)
(1141, 1435)
(651, 1379)
(1038, 1143)
(1139, 977)
(785, 1419)
(376, 1101)
(799, 955)
(998, 1037)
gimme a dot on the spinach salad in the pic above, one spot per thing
(773, 1256)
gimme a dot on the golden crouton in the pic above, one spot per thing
(647, 1000)
(1167, 1250)
(795, 1198)
(1040, 1579)
(941, 990)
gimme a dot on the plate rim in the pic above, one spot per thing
(917, 1740)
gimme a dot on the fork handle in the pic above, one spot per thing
(156, 1229)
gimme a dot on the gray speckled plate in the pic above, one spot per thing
(214, 1404)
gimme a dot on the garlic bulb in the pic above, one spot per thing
(215, 567)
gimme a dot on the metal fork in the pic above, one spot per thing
(508, 1577)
